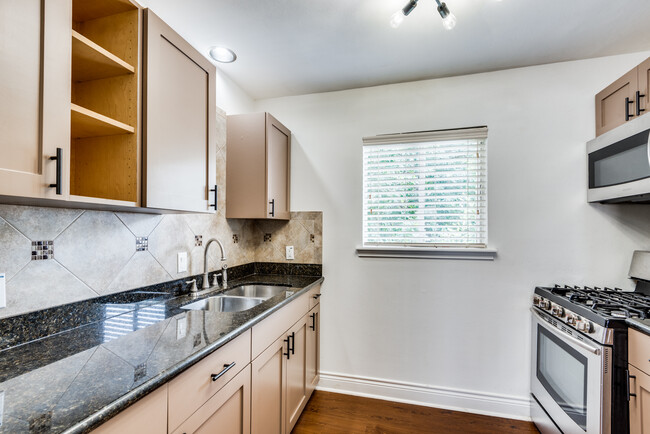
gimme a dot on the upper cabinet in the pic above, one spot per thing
(103, 104)
(258, 167)
(623, 100)
(34, 98)
(105, 121)
(179, 118)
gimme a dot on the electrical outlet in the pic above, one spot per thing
(289, 252)
(181, 262)
(181, 328)
(3, 291)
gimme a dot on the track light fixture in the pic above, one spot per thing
(448, 19)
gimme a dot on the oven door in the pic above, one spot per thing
(571, 377)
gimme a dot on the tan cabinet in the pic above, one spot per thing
(147, 415)
(623, 100)
(639, 381)
(313, 350)
(258, 167)
(228, 411)
(35, 97)
(179, 119)
(285, 374)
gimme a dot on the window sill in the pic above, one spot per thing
(475, 254)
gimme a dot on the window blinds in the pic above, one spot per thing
(426, 189)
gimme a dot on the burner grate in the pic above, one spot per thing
(610, 302)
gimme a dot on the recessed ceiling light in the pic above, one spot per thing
(223, 54)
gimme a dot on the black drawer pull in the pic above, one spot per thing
(226, 368)
(316, 296)
(288, 353)
(59, 170)
(628, 385)
(272, 203)
(293, 342)
(639, 110)
(313, 321)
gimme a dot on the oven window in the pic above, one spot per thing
(563, 372)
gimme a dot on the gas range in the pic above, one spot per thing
(593, 311)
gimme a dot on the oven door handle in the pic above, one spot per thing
(564, 336)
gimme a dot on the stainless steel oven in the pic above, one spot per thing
(570, 379)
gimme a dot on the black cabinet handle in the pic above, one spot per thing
(313, 321)
(628, 115)
(226, 368)
(628, 384)
(288, 353)
(639, 110)
(293, 342)
(316, 296)
(214, 205)
(272, 207)
(59, 170)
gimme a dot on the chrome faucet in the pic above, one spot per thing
(224, 272)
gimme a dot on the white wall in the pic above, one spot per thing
(230, 97)
(459, 330)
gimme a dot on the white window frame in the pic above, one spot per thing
(428, 251)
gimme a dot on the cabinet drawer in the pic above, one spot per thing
(194, 387)
(639, 350)
(314, 297)
(147, 415)
(267, 331)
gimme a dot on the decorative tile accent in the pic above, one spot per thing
(42, 250)
(235, 238)
(141, 244)
(267, 238)
(198, 240)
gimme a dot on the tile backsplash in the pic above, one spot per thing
(93, 253)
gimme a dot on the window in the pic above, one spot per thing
(426, 189)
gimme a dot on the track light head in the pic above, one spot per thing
(448, 19)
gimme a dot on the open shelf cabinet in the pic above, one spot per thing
(105, 99)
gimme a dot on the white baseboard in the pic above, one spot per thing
(512, 407)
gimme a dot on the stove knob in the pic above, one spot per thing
(585, 326)
(571, 320)
(545, 304)
(557, 311)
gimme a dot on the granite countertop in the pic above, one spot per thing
(642, 325)
(70, 378)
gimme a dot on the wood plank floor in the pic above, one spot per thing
(334, 413)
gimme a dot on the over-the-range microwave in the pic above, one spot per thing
(619, 164)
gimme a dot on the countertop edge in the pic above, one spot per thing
(638, 325)
(131, 397)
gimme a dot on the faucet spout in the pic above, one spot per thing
(206, 282)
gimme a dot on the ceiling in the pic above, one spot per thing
(292, 47)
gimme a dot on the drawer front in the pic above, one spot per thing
(314, 297)
(147, 415)
(639, 350)
(267, 331)
(190, 390)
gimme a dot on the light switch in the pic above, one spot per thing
(3, 291)
(182, 262)
(289, 252)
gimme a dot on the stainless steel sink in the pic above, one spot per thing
(223, 303)
(258, 291)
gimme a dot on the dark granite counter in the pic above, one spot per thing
(82, 363)
(642, 325)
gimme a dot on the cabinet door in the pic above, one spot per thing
(147, 415)
(297, 389)
(639, 404)
(228, 411)
(278, 157)
(313, 350)
(268, 395)
(179, 122)
(34, 96)
(611, 103)
(643, 74)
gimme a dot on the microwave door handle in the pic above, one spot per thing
(566, 337)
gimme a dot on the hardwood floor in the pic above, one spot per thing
(334, 413)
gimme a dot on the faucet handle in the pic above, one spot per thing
(215, 279)
(193, 288)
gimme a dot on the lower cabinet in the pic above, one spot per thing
(147, 415)
(228, 411)
(639, 401)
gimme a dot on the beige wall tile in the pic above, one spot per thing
(39, 224)
(15, 250)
